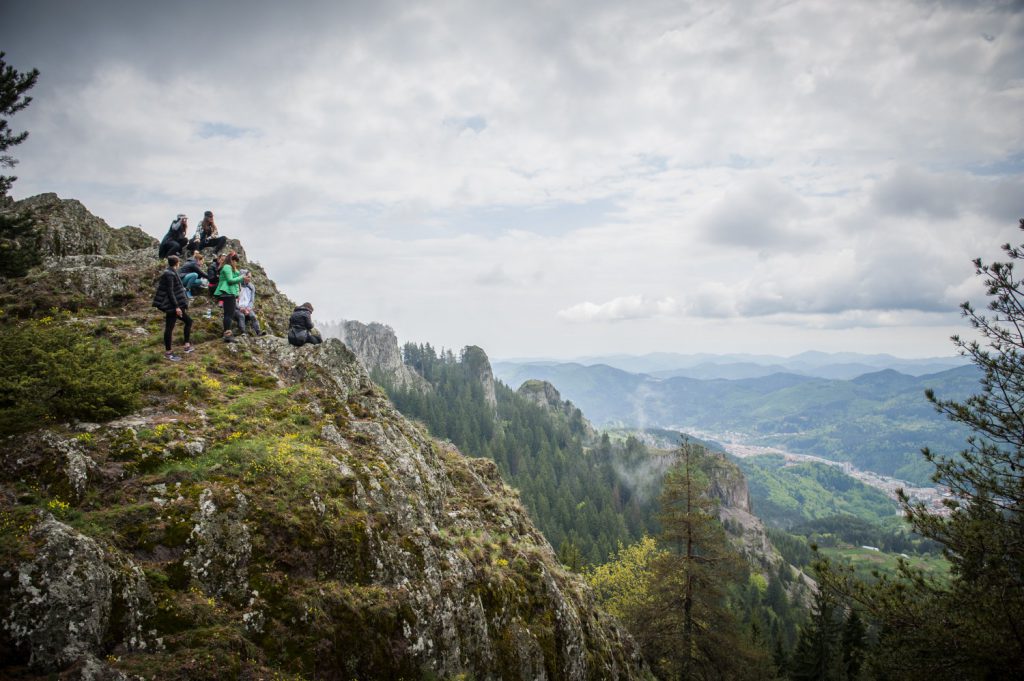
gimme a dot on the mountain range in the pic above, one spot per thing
(877, 421)
(837, 365)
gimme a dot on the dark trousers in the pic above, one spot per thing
(216, 243)
(172, 247)
(169, 321)
(249, 320)
(229, 311)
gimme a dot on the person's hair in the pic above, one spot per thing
(308, 306)
(172, 261)
(233, 256)
(199, 256)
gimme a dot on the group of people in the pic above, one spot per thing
(223, 278)
(176, 241)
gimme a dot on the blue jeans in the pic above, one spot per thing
(191, 281)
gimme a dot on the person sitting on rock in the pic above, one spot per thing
(246, 312)
(193, 274)
(206, 235)
(176, 240)
(170, 298)
(300, 327)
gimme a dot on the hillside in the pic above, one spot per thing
(255, 511)
(878, 421)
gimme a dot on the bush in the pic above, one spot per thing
(54, 370)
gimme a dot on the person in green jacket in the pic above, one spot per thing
(228, 283)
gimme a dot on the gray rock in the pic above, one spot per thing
(220, 545)
(376, 346)
(60, 607)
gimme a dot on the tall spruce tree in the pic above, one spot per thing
(971, 627)
(691, 633)
(13, 86)
(17, 239)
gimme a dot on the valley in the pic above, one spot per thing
(736, 445)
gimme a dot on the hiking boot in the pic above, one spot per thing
(228, 338)
(189, 349)
(172, 357)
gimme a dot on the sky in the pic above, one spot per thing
(556, 179)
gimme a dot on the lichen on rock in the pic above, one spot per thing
(220, 545)
(61, 604)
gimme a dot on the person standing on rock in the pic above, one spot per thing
(170, 299)
(229, 280)
(300, 327)
(176, 240)
(206, 235)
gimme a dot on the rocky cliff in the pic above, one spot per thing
(476, 361)
(376, 346)
(545, 395)
(264, 512)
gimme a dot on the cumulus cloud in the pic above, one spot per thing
(619, 309)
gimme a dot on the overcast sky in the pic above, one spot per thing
(556, 178)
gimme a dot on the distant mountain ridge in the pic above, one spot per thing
(836, 365)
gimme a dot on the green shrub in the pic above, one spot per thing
(54, 370)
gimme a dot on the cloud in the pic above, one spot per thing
(758, 164)
(760, 213)
(619, 309)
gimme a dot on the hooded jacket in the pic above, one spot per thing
(170, 293)
(247, 295)
(299, 326)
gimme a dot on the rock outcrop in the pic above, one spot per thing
(267, 513)
(475, 360)
(71, 597)
(545, 395)
(728, 485)
(87, 265)
(376, 346)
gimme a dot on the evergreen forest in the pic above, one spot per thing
(575, 490)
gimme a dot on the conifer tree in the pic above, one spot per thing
(13, 86)
(691, 632)
(818, 652)
(973, 626)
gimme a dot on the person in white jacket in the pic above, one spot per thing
(245, 313)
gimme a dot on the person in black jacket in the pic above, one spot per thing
(206, 235)
(192, 274)
(175, 241)
(300, 327)
(171, 299)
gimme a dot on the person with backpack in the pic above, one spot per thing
(192, 274)
(206, 235)
(246, 313)
(229, 280)
(170, 299)
(176, 240)
(300, 327)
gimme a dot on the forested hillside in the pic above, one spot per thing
(878, 421)
(586, 497)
